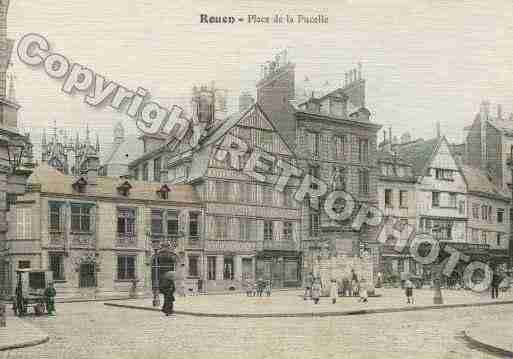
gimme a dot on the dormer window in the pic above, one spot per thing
(124, 188)
(163, 192)
(80, 185)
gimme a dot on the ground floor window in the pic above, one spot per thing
(57, 265)
(87, 275)
(247, 268)
(211, 264)
(126, 267)
(193, 266)
(291, 271)
(228, 268)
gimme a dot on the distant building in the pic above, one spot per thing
(65, 154)
(124, 149)
(245, 101)
(488, 145)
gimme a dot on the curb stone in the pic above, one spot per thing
(29, 343)
(487, 347)
(314, 314)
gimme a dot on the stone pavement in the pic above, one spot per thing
(493, 335)
(291, 303)
(20, 333)
(95, 331)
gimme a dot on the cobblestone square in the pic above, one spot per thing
(94, 331)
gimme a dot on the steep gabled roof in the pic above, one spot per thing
(479, 183)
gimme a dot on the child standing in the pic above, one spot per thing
(334, 291)
(409, 291)
(50, 294)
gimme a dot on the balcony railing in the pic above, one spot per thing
(286, 245)
(126, 240)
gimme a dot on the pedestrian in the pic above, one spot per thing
(363, 292)
(355, 285)
(334, 291)
(167, 288)
(268, 287)
(308, 286)
(260, 286)
(247, 285)
(49, 295)
(496, 279)
(316, 290)
(408, 285)
(346, 287)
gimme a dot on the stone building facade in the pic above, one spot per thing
(397, 201)
(99, 234)
(334, 140)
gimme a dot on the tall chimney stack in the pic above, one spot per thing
(437, 129)
(499, 112)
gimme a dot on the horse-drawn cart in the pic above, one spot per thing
(29, 292)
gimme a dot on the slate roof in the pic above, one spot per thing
(389, 157)
(123, 153)
(53, 181)
(479, 183)
(418, 153)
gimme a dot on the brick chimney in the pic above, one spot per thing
(499, 111)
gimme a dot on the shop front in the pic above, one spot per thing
(283, 268)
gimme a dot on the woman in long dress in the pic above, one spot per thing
(316, 290)
(167, 288)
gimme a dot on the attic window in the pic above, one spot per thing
(124, 188)
(163, 192)
(79, 185)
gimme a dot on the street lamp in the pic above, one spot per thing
(155, 244)
(510, 247)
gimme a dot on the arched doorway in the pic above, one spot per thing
(161, 264)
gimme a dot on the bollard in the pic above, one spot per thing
(3, 311)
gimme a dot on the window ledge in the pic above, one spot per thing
(124, 280)
(83, 233)
(59, 280)
(403, 207)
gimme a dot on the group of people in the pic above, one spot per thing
(353, 287)
(257, 288)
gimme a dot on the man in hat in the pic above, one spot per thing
(49, 295)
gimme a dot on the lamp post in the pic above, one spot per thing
(155, 244)
(510, 246)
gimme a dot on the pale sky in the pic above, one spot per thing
(424, 61)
